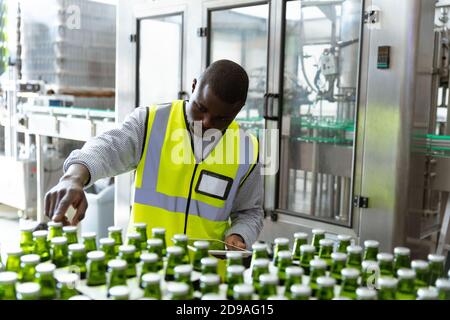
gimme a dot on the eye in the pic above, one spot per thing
(200, 108)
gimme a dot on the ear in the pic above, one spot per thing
(194, 85)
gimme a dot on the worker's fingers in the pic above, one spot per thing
(52, 204)
(81, 212)
(61, 209)
(47, 205)
(234, 243)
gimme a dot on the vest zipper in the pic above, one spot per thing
(186, 216)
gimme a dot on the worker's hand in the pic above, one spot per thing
(68, 192)
(234, 241)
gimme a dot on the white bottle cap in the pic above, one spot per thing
(406, 274)
(268, 279)
(443, 284)
(371, 244)
(307, 248)
(151, 278)
(387, 282)
(318, 232)
(354, 250)
(326, 243)
(318, 264)
(55, 224)
(183, 269)
(177, 288)
(243, 289)
(209, 261)
(45, 268)
(127, 249)
(8, 277)
(234, 255)
(180, 237)
(366, 294)
(259, 247)
(281, 241)
(436, 258)
(261, 263)
(300, 236)
(70, 229)
(149, 257)
(210, 279)
(115, 229)
(40, 234)
(344, 237)
(402, 251)
(30, 258)
(134, 235)
(282, 255)
(77, 247)
(385, 257)
(121, 292)
(201, 244)
(89, 235)
(177, 251)
(301, 290)
(236, 269)
(28, 288)
(155, 242)
(159, 231)
(419, 264)
(96, 256)
(294, 271)
(427, 294)
(107, 242)
(326, 282)
(117, 264)
(338, 256)
(140, 225)
(59, 240)
(350, 273)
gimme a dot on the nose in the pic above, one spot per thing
(207, 123)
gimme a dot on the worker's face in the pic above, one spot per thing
(207, 108)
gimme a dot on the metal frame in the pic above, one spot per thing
(138, 48)
(352, 219)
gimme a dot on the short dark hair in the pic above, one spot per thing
(228, 80)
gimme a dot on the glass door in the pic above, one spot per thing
(241, 34)
(160, 64)
(321, 60)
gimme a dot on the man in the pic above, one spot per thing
(195, 169)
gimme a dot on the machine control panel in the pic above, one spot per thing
(384, 57)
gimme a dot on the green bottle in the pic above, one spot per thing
(156, 246)
(339, 260)
(366, 294)
(436, 265)
(2, 267)
(160, 233)
(60, 252)
(141, 228)
(427, 294)
(41, 246)
(8, 282)
(201, 251)
(117, 273)
(174, 259)
(78, 258)
(281, 244)
(325, 288)
(181, 240)
(370, 273)
(70, 233)
(234, 258)
(152, 285)
(107, 245)
(28, 265)
(127, 253)
(96, 268)
(325, 251)
(119, 293)
(318, 269)
(354, 257)
(300, 239)
(260, 267)
(28, 291)
(134, 239)
(386, 264)
(307, 255)
(402, 258)
(116, 234)
(45, 278)
(234, 276)
(422, 271)
(293, 276)
(349, 283)
(183, 274)
(318, 234)
(209, 265)
(443, 286)
(344, 242)
(26, 239)
(209, 283)
(177, 291)
(260, 251)
(66, 284)
(284, 261)
(13, 260)
(90, 241)
(300, 292)
(371, 250)
(149, 265)
(269, 283)
(388, 288)
(55, 230)
(243, 292)
(406, 284)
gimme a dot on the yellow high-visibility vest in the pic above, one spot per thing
(174, 192)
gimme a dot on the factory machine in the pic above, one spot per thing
(349, 99)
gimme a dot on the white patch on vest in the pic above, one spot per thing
(213, 186)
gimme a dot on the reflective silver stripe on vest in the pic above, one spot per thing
(147, 194)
